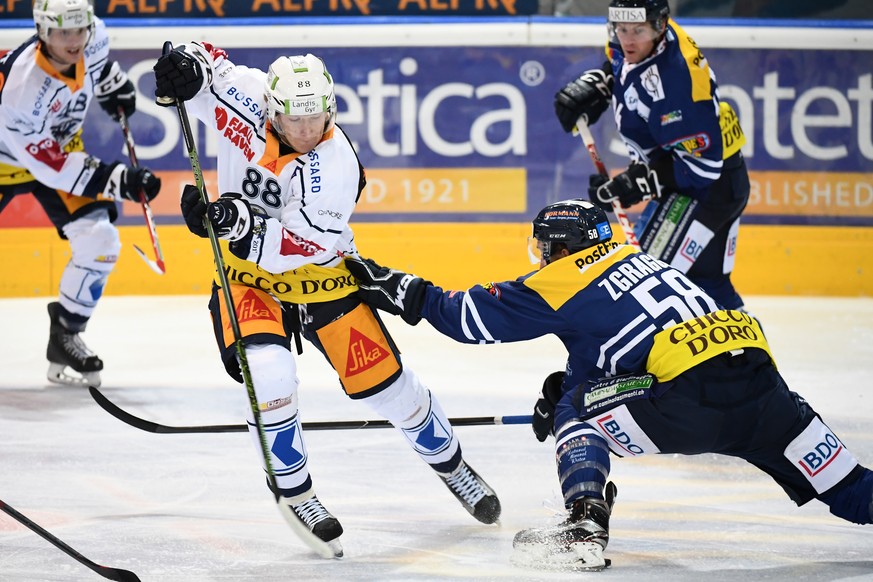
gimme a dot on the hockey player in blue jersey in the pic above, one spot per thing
(654, 365)
(684, 143)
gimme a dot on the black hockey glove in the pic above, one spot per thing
(178, 75)
(634, 185)
(193, 210)
(589, 95)
(544, 410)
(595, 181)
(114, 91)
(391, 291)
(126, 183)
(230, 215)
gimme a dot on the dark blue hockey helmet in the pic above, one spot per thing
(572, 224)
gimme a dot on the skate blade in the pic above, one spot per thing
(329, 550)
(61, 374)
(589, 557)
(581, 557)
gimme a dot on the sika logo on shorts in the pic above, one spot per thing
(252, 307)
(364, 353)
(820, 456)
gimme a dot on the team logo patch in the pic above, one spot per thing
(433, 437)
(651, 81)
(363, 353)
(251, 308)
(492, 289)
(288, 446)
(671, 117)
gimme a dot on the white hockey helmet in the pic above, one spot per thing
(62, 14)
(300, 85)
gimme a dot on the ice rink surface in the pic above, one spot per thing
(195, 507)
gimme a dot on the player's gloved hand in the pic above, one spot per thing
(193, 210)
(178, 75)
(544, 410)
(589, 95)
(230, 215)
(595, 181)
(391, 291)
(634, 185)
(126, 183)
(114, 91)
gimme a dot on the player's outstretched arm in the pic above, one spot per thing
(390, 290)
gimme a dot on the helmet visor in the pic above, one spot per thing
(535, 250)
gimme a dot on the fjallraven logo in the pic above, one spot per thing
(252, 307)
(364, 353)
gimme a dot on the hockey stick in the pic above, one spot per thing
(158, 264)
(620, 215)
(105, 571)
(154, 427)
(324, 549)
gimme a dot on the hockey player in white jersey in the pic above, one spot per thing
(46, 86)
(289, 180)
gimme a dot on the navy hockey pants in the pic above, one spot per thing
(731, 405)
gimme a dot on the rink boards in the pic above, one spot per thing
(454, 124)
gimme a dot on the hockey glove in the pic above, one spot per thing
(194, 210)
(178, 75)
(230, 215)
(544, 410)
(589, 95)
(126, 183)
(114, 91)
(391, 291)
(634, 185)
(595, 181)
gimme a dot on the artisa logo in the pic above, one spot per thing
(627, 14)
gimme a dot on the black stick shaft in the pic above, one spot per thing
(105, 571)
(155, 427)
(197, 170)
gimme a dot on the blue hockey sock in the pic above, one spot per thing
(853, 502)
(583, 462)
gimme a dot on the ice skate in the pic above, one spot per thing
(70, 361)
(313, 524)
(473, 493)
(576, 544)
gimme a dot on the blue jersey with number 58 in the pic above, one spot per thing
(605, 303)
